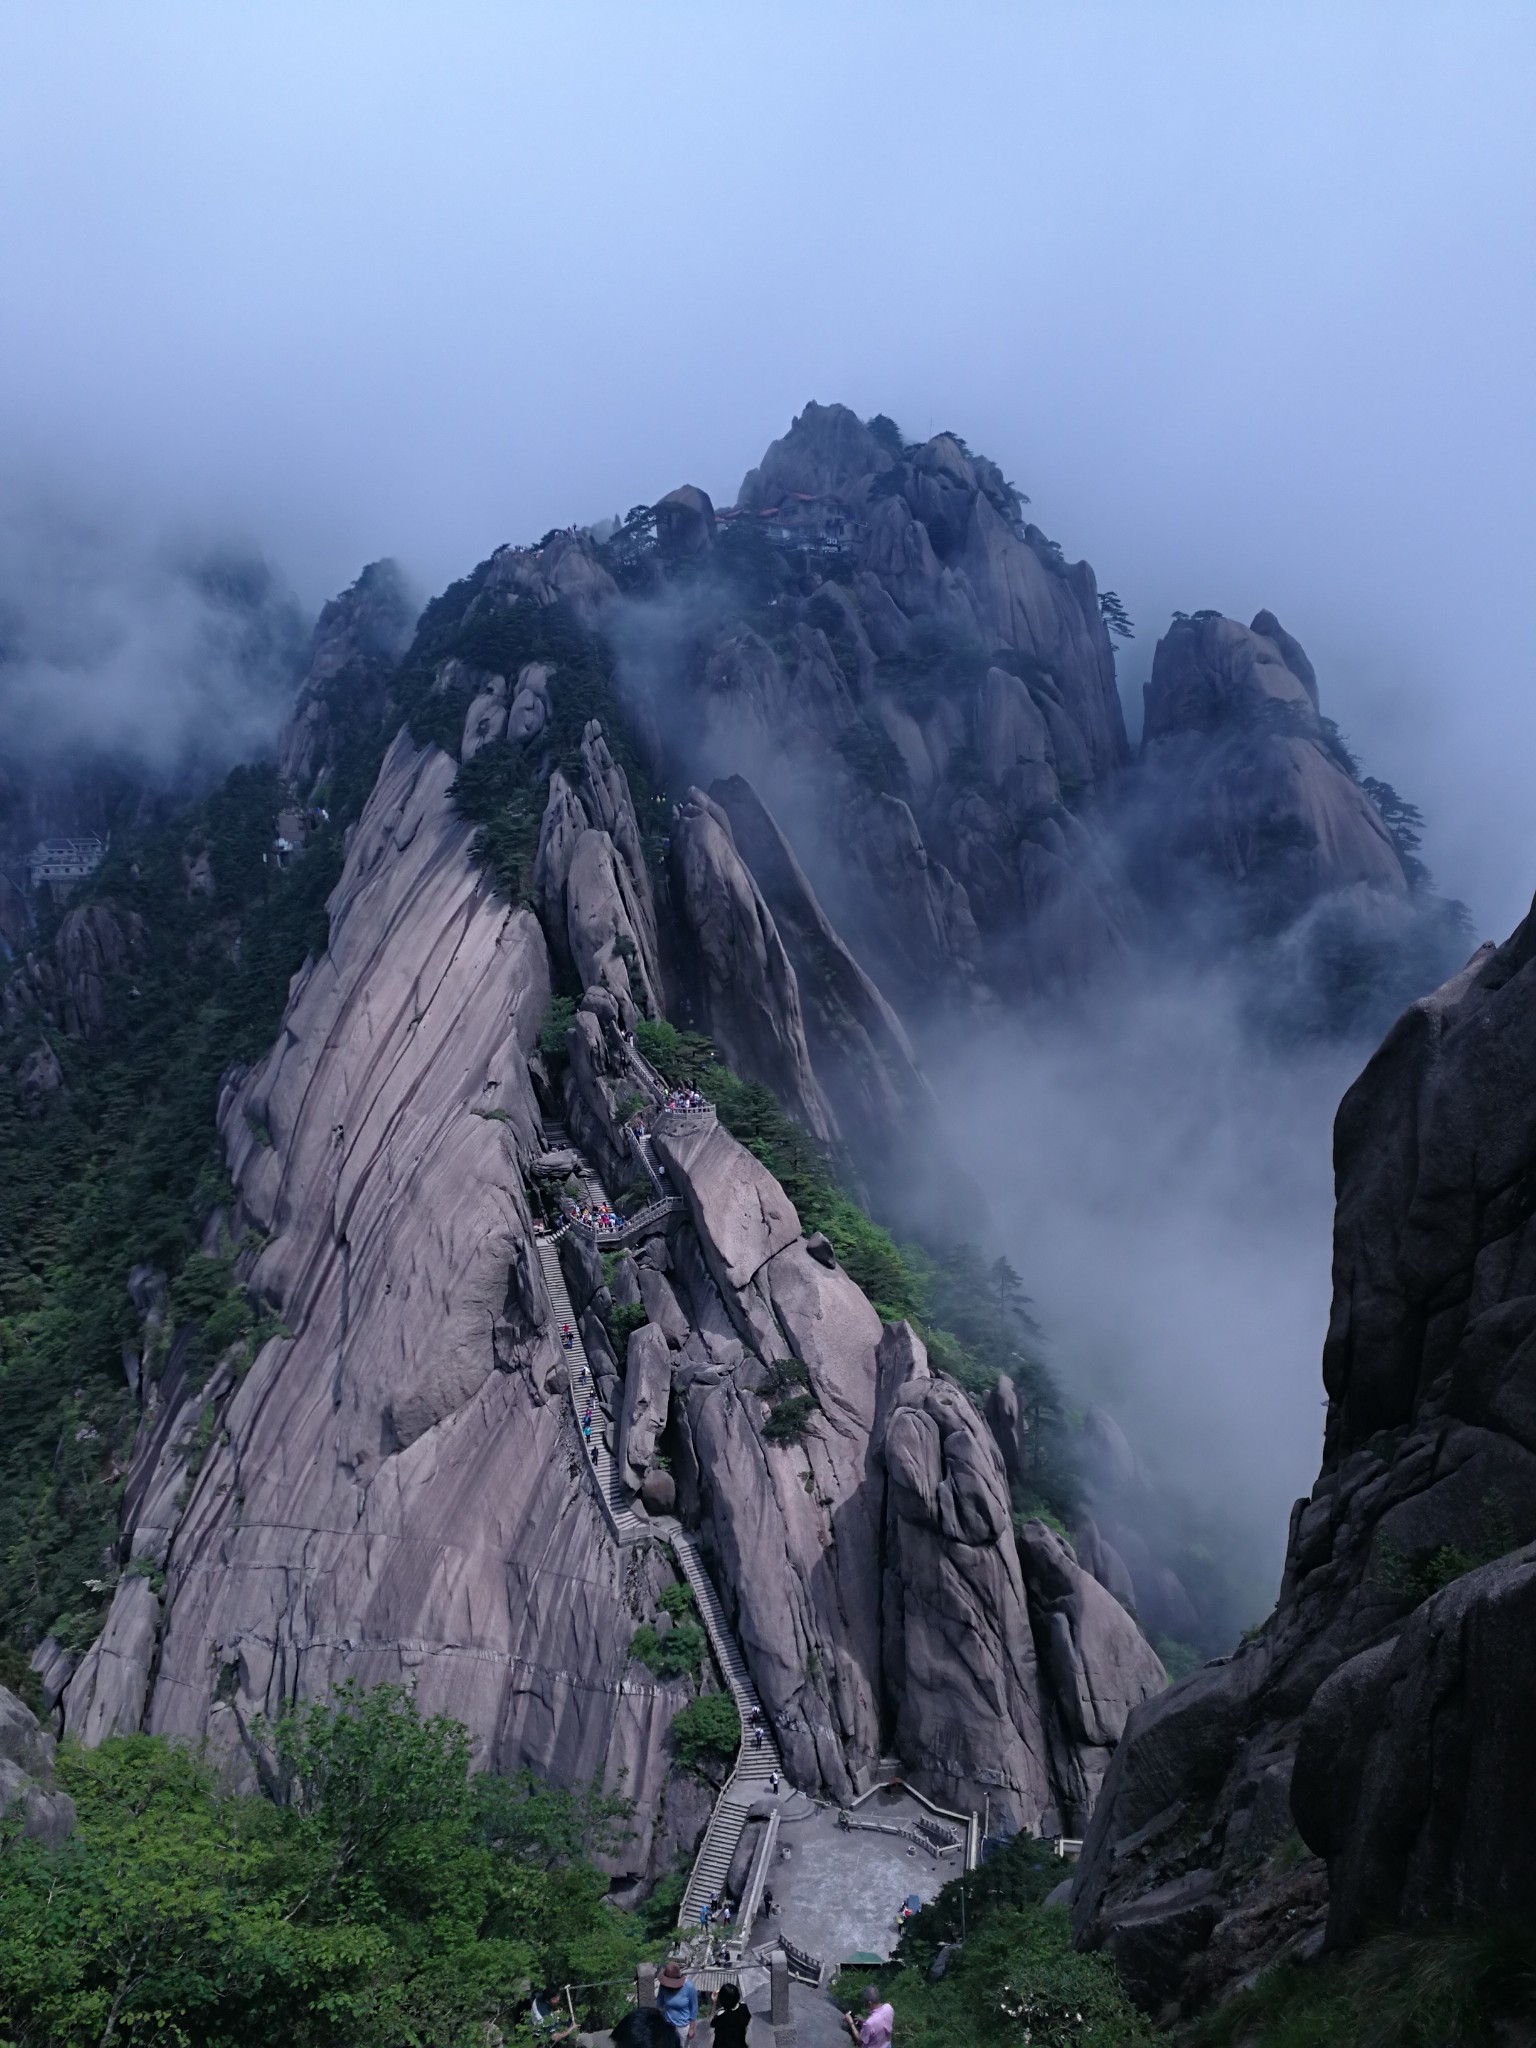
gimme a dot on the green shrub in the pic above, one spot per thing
(1017, 1977)
(680, 1653)
(390, 1894)
(562, 1013)
(76, 1630)
(676, 1601)
(1460, 1987)
(1178, 1659)
(787, 1420)
(621, 1324)
(17, 1676)
(707, 1731)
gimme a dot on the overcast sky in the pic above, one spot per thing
(1242, 296)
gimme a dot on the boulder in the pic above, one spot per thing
(685, 522)
(528, 711)
(658, 1493)
(647, 1392)
(661, 1304)
(958, 1654)
(1414, 1775)
(1096, 1663)
(26, 1776)
(486, 718)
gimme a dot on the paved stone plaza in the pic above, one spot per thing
(838, 1891)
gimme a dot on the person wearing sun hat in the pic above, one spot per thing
(677, 1996)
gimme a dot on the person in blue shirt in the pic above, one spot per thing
(677, 1997)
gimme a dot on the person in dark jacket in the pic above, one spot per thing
(645, 2027)
(732, 2019)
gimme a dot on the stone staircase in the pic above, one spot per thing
(755, 1764)
(748, 1782)
(626, 1525)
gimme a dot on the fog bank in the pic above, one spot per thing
(1164, 1183)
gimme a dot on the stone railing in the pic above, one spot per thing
(680, 1123)
(629, 1227)
(937, 1841)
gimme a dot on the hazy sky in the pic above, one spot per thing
(1242, 296)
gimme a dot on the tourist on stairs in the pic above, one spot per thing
(677, 1997)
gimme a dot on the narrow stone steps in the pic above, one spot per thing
(626, 1525)
(753, 1767)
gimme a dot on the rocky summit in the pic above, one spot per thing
(493, 1160)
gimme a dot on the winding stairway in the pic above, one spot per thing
(748, 1782)
(626, 1525)
(756, 1762)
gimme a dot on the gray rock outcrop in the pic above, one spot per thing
(1239, 771)
(1098, 1666)
(956, 1643)
(356, 640)
(563, 570)
(72, 982)
(862, 1056)
(26, 1775)
(647, 1390)
(109, 1690)
(685, 521)
(1010, 1428)
(747, 986)
(946, 689)
(486, 718)
(1414, 1775)
(1405, 1696)
(592, 884)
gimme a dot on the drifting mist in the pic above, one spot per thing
(169, 661)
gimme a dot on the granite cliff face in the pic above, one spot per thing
(1380, 1714)
(394, 1487)
(946, 678)
(357, 640)
(923, 689)
(870, 771)
(1241, 771)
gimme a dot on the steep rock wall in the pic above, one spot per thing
(394, 1491)
(1404, 1700)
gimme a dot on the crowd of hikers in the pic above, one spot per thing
(673, 2021)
